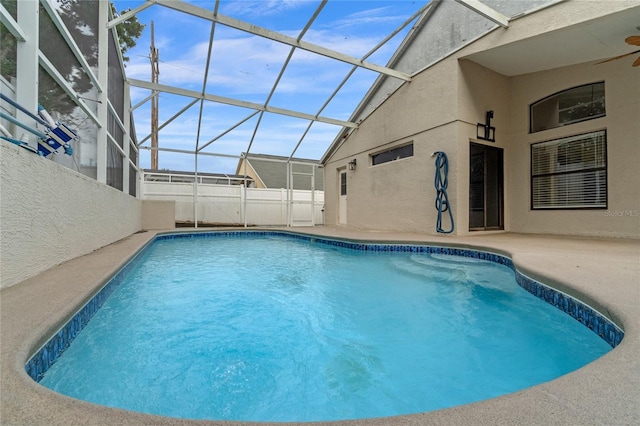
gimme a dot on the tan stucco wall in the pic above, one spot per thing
(480, 90)
(439, 110)
(50, 214)
(158, 214)
(399, 195)
(622, 122)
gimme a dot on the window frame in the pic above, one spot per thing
(343, 183)
(373, 156)
(569, 139)
(557, 94)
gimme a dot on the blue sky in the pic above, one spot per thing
(245, 67)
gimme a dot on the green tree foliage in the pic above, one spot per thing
(7, 53)
(80, 17)
(128, 31)
(8, 44)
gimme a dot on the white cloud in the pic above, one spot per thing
(246, 66)
(250, 8)
(381, 15)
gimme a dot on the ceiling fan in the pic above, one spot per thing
(633, 41)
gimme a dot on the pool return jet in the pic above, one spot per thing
(442, 199)
(57, 135)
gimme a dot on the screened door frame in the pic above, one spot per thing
(499, 188)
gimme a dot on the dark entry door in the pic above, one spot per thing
(485, 187)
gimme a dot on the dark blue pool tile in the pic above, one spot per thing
(586, 315)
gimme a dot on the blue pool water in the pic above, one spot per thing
(271, 328)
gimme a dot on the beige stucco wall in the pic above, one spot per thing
(480, 90)
(399, 195)
(622, 122)
(439, 110)
(50, 214)
(158, 214)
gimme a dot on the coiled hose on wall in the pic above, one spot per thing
(442, 199)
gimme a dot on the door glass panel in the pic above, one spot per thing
(476, 187)
(485, 187)
(493, 186)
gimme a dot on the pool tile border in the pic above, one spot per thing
(49, 353)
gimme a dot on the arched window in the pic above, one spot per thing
(567, 107)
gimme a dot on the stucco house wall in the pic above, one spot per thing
(398, 195)
(621, 218)
(480, 90)
(439, 109)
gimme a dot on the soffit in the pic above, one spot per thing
(589, 41)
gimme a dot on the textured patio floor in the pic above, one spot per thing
(604, 273)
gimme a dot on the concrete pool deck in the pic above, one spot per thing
(604, 273)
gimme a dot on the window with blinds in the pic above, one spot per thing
(570, 173)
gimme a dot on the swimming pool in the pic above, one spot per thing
(354, 360)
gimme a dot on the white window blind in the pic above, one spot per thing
(570, 172)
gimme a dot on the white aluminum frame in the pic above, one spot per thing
(25, 29)
(30, 58)
(296, 43)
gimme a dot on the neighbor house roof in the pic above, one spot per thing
(272, 171)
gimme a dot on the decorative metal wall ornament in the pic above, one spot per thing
(486, 131)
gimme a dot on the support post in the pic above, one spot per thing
(155, 71)
(27, 67)
(244, 190)
(289, 195)
(195, 192)
(103, 79)
(126, 143)
(313, 195)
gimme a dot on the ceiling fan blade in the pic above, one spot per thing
(633, 40)
(618, 57)
(636, 62)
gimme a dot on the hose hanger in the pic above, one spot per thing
(442, 199)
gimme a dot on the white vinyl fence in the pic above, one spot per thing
(235, 205)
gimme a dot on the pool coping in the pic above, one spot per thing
(601, 272)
